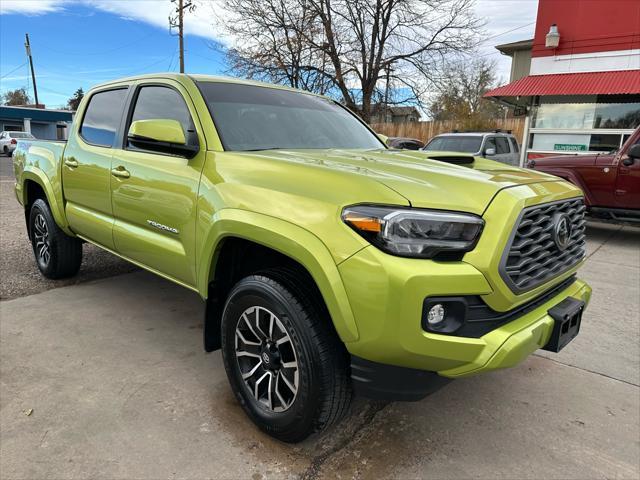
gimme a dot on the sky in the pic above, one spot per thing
(79, 43)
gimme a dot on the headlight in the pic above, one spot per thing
(412, 232)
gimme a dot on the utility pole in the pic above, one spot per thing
(27, 46)
(178, 21)
(181, 34)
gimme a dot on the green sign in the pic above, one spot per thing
(570, 147)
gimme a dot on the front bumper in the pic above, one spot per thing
(386, 295)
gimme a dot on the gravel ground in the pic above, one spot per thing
(18, 270)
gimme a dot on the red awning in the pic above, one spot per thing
(588, 83)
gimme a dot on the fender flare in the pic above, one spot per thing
(571, 177)
(57, 209)
(290, 240)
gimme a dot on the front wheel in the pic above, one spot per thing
(57, 254)
(285, 363)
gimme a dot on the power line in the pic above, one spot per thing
(18, 67)
(475, 55)
(508, 31)
(128, 44)
(141, 69)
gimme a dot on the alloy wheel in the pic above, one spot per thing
(42, 244)
(267, 359)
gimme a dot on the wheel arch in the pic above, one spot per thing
(35, 185)
(572, 177)
(269, 240)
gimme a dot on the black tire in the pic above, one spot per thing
(57, 254)
(323, 391)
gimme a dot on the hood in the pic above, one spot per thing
(571, 160)
(424, 182)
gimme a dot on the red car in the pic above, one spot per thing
(610, 181)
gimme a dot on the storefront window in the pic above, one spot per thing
(617, 115)
(577, 116)
(574, 142)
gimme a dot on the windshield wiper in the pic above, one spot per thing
(261, 149)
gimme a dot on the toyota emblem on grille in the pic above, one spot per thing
(561, 230)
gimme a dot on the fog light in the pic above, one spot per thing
(436, 314)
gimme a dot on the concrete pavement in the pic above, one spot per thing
(119, 387)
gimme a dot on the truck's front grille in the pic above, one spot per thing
(541, 247)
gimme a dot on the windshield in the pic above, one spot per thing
(458, 143)
(20, 135)
(248, 117)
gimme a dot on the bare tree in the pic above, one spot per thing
(350, 48)
(271, 43)
(460, 93)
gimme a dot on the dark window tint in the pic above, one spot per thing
(514, 143)
(162, 103)
(604, 143)
(259, 118)
(490, 143)
(502, 145)
(455, 143)
(102, 117)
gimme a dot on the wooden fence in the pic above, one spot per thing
(426, 130)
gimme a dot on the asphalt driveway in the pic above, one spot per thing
(107, 379)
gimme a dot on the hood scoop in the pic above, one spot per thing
(454, 159)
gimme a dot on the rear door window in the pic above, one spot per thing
(502, 145)
(102, 117)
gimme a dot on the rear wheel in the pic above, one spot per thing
(285, 363)
(57, 254)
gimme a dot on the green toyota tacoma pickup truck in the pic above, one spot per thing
(329, 263)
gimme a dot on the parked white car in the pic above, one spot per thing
(494, 145)
(9, 140)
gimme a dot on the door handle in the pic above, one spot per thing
(120, 172)
(71, 162)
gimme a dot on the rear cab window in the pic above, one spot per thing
(102, 117)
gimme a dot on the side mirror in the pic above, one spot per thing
(633, 153)
(490, 152)
(384, 138)
(161, 135)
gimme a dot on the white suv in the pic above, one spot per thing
(495, 145)
(9, 140)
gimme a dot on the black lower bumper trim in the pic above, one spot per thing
(388, 382)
